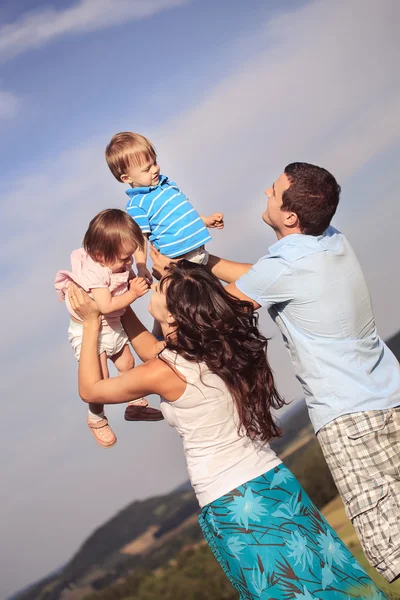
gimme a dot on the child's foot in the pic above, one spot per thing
(102, 432)
(139, 410)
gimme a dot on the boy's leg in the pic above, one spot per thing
(139, 409)
(97, 421)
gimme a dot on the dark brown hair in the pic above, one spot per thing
(313, 195)
(127, 149)
(218, 329)
(109, 232)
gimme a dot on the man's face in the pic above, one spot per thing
(273, 215)
(144, 175)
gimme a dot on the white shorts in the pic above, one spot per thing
(111, 341)
(199, 256)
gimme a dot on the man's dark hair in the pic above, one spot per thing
(313, 195)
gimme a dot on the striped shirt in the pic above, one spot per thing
(164, 212)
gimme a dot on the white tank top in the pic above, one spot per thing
(218, 458)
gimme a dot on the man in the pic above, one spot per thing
(313, 287)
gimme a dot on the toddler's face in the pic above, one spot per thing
(144, 175)
(124, 260)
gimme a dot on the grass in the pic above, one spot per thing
(335, 515)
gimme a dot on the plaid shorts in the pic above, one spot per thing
(363, 453)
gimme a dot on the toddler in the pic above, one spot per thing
(158, 206)
(103, 268)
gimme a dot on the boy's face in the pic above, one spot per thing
(144, 175)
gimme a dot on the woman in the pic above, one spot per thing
(217, 390)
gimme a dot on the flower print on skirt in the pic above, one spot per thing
(273, 544)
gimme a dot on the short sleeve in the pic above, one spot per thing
(140, 216)
(268, 282)
(94, 275)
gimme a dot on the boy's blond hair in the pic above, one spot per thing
(128, 149)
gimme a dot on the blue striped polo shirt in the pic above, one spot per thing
(164, 212)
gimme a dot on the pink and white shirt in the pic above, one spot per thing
(91, 275)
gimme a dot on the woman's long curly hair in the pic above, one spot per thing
(214, 327)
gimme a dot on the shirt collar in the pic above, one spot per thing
(146, 189)
(327, 240)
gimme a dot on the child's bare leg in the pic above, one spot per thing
(98, 409)
(124, 362)
(137, 410)
(97, 420)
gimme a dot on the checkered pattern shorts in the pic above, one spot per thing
(363, 453)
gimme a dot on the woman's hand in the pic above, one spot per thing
(161, 262)
(83, 305)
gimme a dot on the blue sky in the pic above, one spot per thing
(229, 91)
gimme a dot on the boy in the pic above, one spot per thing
(158, 206)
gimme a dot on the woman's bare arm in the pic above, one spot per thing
(143, 342)
(153, 377)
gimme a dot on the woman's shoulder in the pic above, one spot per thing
(163, 378)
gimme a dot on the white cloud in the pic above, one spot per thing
(35, 29)
(9, 104)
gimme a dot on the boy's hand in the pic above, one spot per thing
(143, 271)
(161, 262)
(138, 287)
(216, 220)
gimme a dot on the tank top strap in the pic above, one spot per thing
(190, 370)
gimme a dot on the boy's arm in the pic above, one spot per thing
(140, 260)
(143, 342)
(227, 270)
(108, 304)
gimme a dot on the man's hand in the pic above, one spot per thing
(214, 221)
(161, 262)
(143, 271)
(138, 287)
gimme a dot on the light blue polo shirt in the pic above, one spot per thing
(164, 212)
(315, 291)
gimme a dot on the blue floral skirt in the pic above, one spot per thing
(273, 544)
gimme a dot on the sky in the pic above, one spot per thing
(229, 92)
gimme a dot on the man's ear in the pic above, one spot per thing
(292, 220)
(125, 178)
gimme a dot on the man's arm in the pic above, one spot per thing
(227, 270)
(234, 291)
